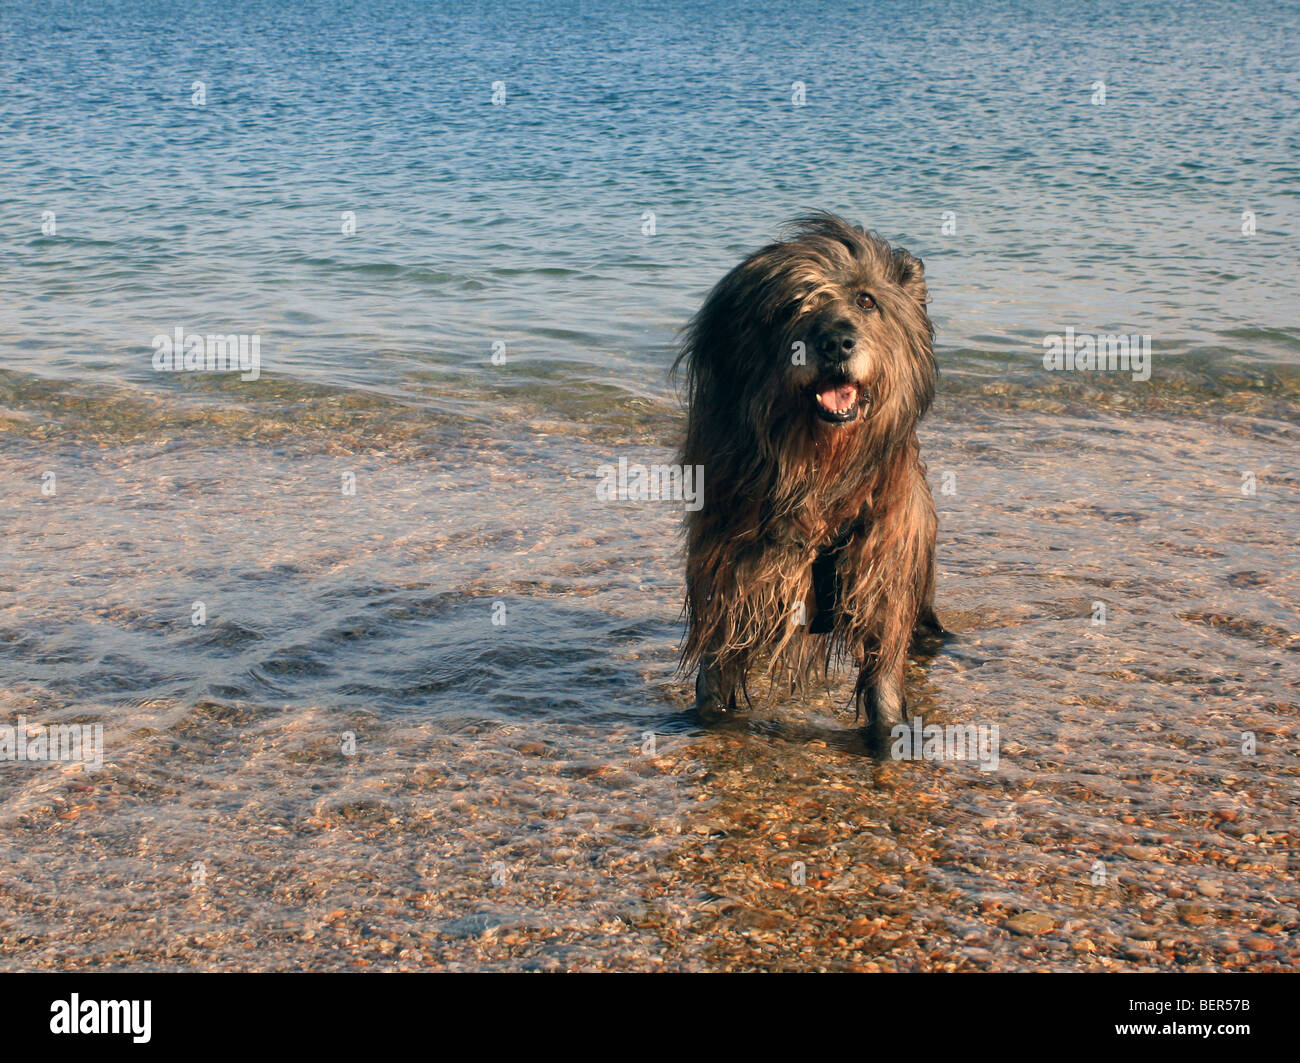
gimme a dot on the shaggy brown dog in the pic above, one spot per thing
(808, 368)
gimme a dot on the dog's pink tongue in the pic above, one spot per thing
(838, 398)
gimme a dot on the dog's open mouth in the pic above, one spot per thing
(837, 401)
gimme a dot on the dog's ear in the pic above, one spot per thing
(911, 274)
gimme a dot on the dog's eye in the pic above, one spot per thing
(865, 301)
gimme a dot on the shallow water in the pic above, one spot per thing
(530, 792)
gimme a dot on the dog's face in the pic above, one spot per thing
(825, 332)
(843, 326)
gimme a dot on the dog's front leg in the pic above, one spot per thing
(715, 691)
(881, 703)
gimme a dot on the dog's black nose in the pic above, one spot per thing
(835, 342)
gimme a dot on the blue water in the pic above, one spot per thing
(522, 223)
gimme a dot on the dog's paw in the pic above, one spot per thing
(712, 710)
(929, 635)
(713, 703)
(878, 738)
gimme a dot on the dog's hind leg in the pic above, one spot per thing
(929, 634)
(927, 624)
